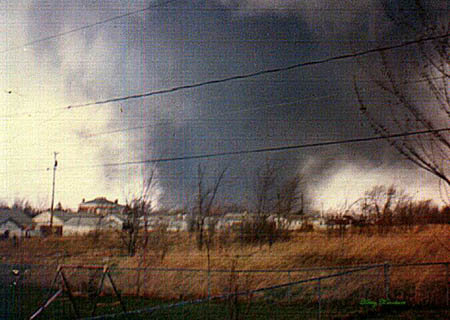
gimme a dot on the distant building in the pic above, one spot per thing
(316, 220)
(15, 223)
(101, 206)
(84, 223)
(177, 225)
(59, 217)
(9, 227)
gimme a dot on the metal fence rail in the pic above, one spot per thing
(236, 294)
(318, 292)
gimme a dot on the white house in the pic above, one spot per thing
(59, 218)
(318, 221)
(15, 222)
(319, 224)
(116, 218)
(101, 206)
(232, 219)
(154, 221)
(177, 225)
(296, 224)
(9, 228)
(82, 224)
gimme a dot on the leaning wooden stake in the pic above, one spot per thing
(99, 290)
(64, 284)
(116, 292)
(46, 304)
(69, 293)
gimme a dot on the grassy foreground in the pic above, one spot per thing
(422, 288)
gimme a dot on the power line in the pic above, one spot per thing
(47, 119)
(30, 113)
(287, 8)
(220, 116)
(58, 35)
(258, 73)
(263, 150)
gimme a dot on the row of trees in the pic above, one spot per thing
(23, 205)
(382, 209)
(273, 193)
(278, 200)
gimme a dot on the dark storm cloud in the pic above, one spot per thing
(246, 114)
(192, 41)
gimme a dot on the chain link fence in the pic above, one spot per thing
(98, 292)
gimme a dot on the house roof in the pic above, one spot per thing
(6, 219)
(17, 216)
(62, 215)
(87, 221)
(99, 201)
(118, 216)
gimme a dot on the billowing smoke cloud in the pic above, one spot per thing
(326, 18)
(346, 184)
(39, 80)
(337, 176)
(177, 45)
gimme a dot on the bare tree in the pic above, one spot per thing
(204, 222)
(277, 194)
(411, 89)
(205, 200)
(137, 212)
(276, 200)
(383, 206)
(4, 204)
(290, 198)
(265, 189)
(24, 205)
(145, 202)
(130, 229)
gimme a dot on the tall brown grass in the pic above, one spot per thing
(426, 243)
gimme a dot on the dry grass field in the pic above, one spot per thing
(422, 244)
(418, 286)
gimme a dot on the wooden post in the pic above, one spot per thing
(319, 298)
(53, 193)
(386, 280)
(116, 291)
(69, 293)
(289, 288)
(46, 304)
(446, 280)
(99, 290)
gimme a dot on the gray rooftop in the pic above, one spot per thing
(63, 215)
(100, 201)
(87, 221)
(17, 215)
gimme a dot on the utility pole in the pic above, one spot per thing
(53, 192)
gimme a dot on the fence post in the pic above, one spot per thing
(446, 280)
(319, 298)
(386, 280)
(16, 292)
(209, 283)
(289, 288)
(190, 275)
(19, 291)
(12, 308)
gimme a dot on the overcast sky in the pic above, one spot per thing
(178, 43)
